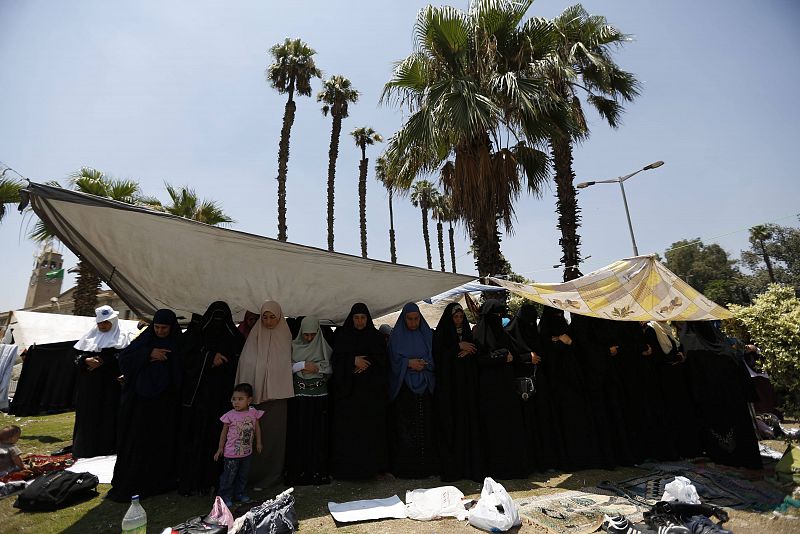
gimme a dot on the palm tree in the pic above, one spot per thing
(759, 234)
(424, 196)
(185, 203)
(582, 64)
(474, 93)
(291, 71)
(364, 136)
(337, 92)
(448, 214)
(387, 179)
(9, 193)
(93, 182)
(437, 212)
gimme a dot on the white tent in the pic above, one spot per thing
(156, 260)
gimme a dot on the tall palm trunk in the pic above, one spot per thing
(283, 163)
(486, 242)
(333, 154)
(426, 237)
(392, 249)
(440, 234)
(86, 287)
(450, 232)
(362, 200)
(767, 261)
(567, 207)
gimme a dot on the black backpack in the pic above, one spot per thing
(54, 490)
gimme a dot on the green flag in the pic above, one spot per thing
(52, 275)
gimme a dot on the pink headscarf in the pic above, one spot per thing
(266, 360)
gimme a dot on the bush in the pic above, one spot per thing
(772, 323)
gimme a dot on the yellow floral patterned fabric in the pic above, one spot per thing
(633, 289)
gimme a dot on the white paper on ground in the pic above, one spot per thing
(100, 466)
(347, 512)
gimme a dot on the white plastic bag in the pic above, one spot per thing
(429, 504)
(487, 516)
(681, 490)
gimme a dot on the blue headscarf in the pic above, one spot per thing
(405, 344)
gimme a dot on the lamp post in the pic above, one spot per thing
(620, 181)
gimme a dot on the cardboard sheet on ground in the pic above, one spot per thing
(156, 260)
(633, 289)
(100, 466)
(369, 509)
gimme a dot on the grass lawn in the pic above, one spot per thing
(45, 434)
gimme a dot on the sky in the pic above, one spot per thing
(175, 91)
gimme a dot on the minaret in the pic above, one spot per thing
(44, 286)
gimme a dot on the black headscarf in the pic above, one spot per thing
(146, 378)
(208, 334)
(523, 327)
(350, 343)
(703, 335)
(553, 324)
(489, 332)
(446, 333)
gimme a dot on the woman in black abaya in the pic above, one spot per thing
(504, 441)
(722, 390)
(682, 429)
(570, 399)
(98, 388)
(359, 387)
(541, 424)
(148, 433)
(212, 348)
(594, 339)
(456, 397)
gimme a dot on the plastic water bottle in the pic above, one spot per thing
(135, 520)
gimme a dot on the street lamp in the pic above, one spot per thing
(620, 180)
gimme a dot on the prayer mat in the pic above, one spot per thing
(713, 486)
(575, 512)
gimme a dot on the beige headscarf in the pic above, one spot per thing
(664, 334)
(266, 360)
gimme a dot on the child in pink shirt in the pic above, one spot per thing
(236, 444)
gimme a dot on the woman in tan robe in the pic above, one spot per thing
(266, 364)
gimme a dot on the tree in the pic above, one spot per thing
(9, 194)
(337, 92)
(438, 210)
(474, 94)
(424, 196)
(387, 179)
(184, 202)
(448, 214)
(291, 71)
(364, 136)
(582, 64)
(774, 256)
(773, 324)
(92, 182)
(708, 269)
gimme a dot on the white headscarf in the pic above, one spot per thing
(95, 340)
(266, 360)
(317, 351)
(664, 334)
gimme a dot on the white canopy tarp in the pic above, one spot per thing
(40, 328)
(633, 289)
(156, 260)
